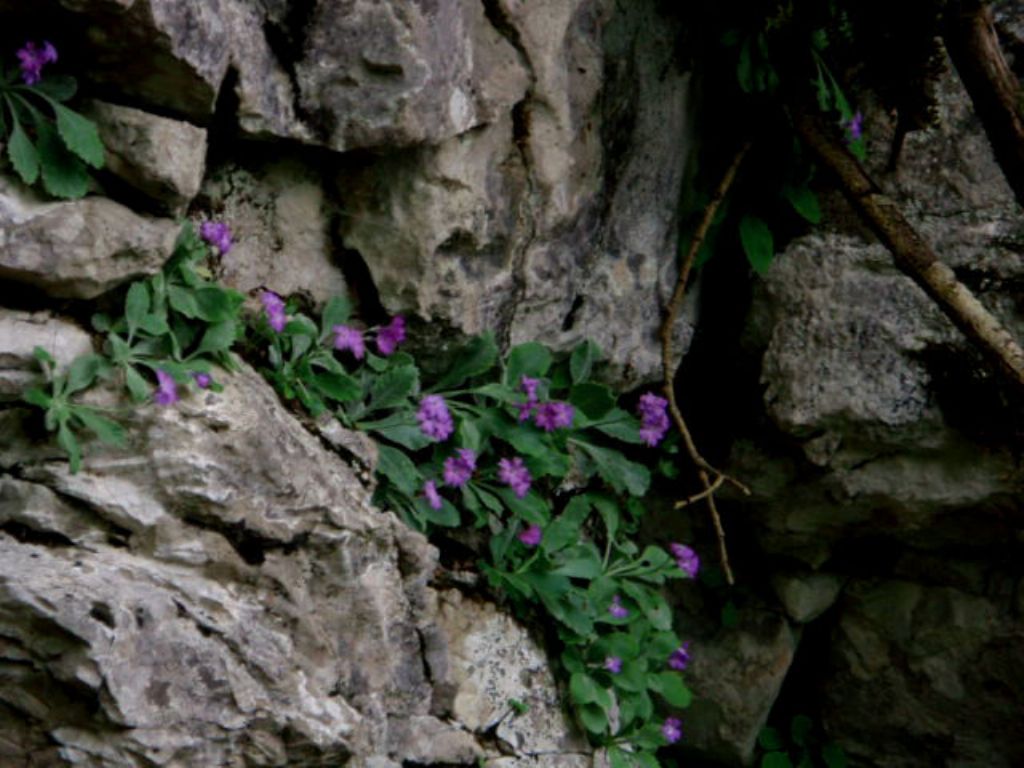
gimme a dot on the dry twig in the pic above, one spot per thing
(704, 470)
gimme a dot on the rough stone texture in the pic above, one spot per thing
(397, 73)
(807, 596)
(493, 659)
(939, 670)
(736, 675)
(161, 158)
(77, 249)
(24, 331)
(280, 225)
(539, 224)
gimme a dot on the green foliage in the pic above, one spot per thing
(45, 139)
(807, 748)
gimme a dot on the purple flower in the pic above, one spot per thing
(434, 417)
(203, 380)
(513, 473)
(217, 234)
(529, 388)
(613, 664)
(654, 419)
(672, 729)
(686, 559)
(459, 468)
(34, 59)
(391, 335)
(617, 609)
(274, 306)
(531, 535)
(431, 494)
(680, 657)
(854, 127)
(350, 339)
(553, 415)
(166, 390)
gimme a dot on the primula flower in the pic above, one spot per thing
(531, 535)
(274, 306)
(203, 380)
(613, 664)
(350, 339)
(617, 609)
(434, 417)
(513, 473)
(391, 335)
(432, 496)
(672, 729)
(854, 127)
(458, 469)
(686, 559)
(654, 419)
(217, 234)
(529, 388)
(33, 60)
(166, 390)
(553, 415)
(680, 657)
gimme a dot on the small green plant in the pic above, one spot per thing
(806, 747)
(45, 139)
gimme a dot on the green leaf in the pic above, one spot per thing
(394, 387)
(800, 730)
(447, 516)
(57, 87)
(621, 425)
(401, 428)
(478, 356)
(756, 238)
(833, 755)
(533, 508)
(804, 202)
(595, 400)
(770, 739)
(337, 386)
(136, 305)
(105, 429)
(529, 359)
(581, 562)
(593, 718)
(23, 154)
(672, 688)
(137, 386)
(565, 529)
(66, 439)
(36, 396)
(730, 615)
(215, 304)
(218, 338)
(83, 372)
(609, 512)
(776, 760)
(182, 300)
(79, 135)
(64, 175)
(583, 688)
(336, 312)
(397, 467)
(582, 361)
(155, 325)
(618, 758)
(618, 471)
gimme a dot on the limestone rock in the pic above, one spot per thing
(162, 158)
(280, 224)
(397, 73)
(80, 248)
(24, 331)
(909, 661)
(806, 596)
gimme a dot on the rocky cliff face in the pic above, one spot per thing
(222, 593)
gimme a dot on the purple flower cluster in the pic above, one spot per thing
(854, 127)
(513, 473)
(672, 729)
(686, 559)
(351, 339)
(391, 335)
(654, 419)
(274, 306)
(459, 468)
(553, 415)
(617, 609)
(529, 388)
(434, 417)
(33, 59)
(613, 664)
(203, 380)
(432, 496)
(217, 234)
(680, 657)
(166, 389)
(531, 535)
